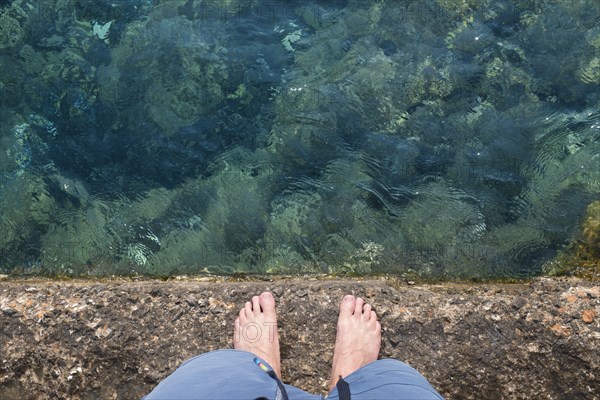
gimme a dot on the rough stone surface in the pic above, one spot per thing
(118, 339)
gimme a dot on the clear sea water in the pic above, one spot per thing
(439, 139)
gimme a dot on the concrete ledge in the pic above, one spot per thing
(117, 340)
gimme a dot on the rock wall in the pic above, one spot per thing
(118, 339)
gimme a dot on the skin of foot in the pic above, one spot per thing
(358, 338)
(255, 330)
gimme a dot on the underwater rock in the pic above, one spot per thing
(11, 30)
(590, 73)
(441, 217)
(101, 30)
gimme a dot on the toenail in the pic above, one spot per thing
(348, 297)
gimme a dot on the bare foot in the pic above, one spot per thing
(358, 338)
(256, 330)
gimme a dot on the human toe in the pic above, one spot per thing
(358, 307)
(347, 306)
(248, 309)
(255, 305)
(366, 312)
(242, 318)
(267, 303)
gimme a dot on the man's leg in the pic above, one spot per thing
(255, 330)
(251, 371)
(260, 316)
(388, 379)
(358, 338)
(355, 355)
(218, 375)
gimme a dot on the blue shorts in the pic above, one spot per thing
(239, 375)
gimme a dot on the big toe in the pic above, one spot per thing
(267, 303)
(347, 306)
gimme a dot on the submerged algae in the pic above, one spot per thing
(581, 258)
(12, 19)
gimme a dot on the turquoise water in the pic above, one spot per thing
(437, 138)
